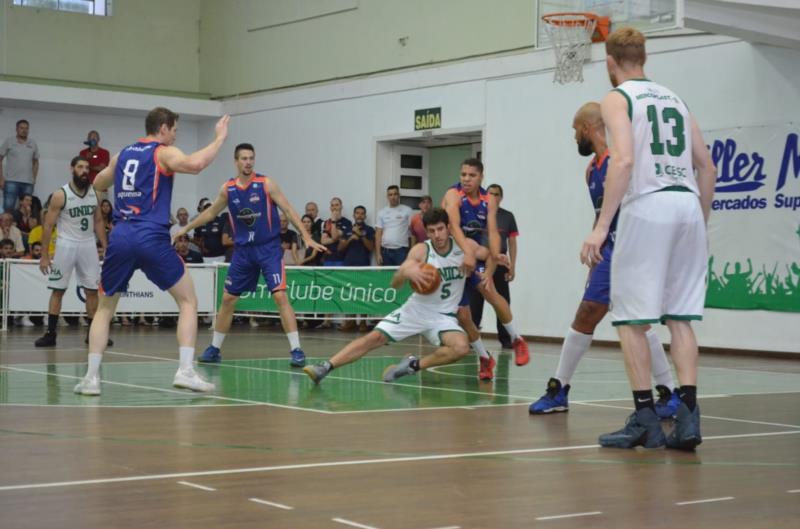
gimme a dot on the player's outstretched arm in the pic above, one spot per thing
(279, 198)
(209, 214)
(174, 160)
(615, 115)
(411, 268)
(105, 178)
(450, 203)
(706, 172)
(54, 207)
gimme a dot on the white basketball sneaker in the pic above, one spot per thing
(89, 386)
(189, 379)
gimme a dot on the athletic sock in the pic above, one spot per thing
(643, 399)
(688, 395)
(186, 357)
(662, 372)
(414, 364)
(327, 365)
(575, 346)
(294, 340)
(52, 323)
(94, 364)
(218, 338)
(511, 330)
(479, 348)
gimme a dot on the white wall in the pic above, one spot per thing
(320, 141)
(60, 136)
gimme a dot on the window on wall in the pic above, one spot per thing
(89, 7)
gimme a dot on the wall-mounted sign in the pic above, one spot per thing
(428, 118)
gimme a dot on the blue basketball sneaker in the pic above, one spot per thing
(298, 358)
(555, 400)
(210, 355)
(642, 428)
(686, 434)
(668, 401)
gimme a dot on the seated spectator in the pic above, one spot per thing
(9, 231)
(416, 227)
(107, 212)
(332, 232)
(289, 242)
(311, 256)
(36, 234)
(185, 252)
(210, 236)
(25, 216)
(7, 249)
(34, 252)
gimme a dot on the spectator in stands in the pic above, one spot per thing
(107, 212)
(97, 156)
(7, 249)
(25, 216)
(210, 236)
(391, 233)
(34, 252)
(289, 243)
(202, 205)
(9, 231)
(417, 228)
(22, 166)
(311, 256)
(36, 233)
(182, 215)
(182, 246)
(228, 242)
(312, 210)
(332, 231)
(357, 247)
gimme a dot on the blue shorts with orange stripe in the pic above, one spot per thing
(139, 246)
(250, 261)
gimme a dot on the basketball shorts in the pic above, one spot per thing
(412, 319)
(598, 286)
(78, 256)
(660, 257)
(471, 284)
(140, 246)
(249, 262)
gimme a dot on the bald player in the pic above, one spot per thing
(590, 135)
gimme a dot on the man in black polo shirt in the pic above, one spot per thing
(210, 236)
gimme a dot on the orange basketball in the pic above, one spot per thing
(433, 285)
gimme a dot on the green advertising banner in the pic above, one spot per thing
(326, 291)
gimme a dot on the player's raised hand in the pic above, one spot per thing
(221, 128)
(590, 251)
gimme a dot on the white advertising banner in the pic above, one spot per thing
(28, 292)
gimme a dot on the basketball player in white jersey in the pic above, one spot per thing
(432, 315)
(662, 178)
(76, 211)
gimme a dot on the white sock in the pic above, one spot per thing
(186, 357)
(575, 346)
(659, 365)
(218, 338)
(94, 364)
(294, 340)
(479, 348)
(511, 329)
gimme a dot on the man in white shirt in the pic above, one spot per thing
(392, 230)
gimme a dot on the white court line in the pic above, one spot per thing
(575, 515)
(185, 393)
(794, 491)
(353, 524)
(272, 504)
(195, 485)
(709, 500)
(438, 370)
(121, 406)
(328, 464)
(448, 527)
(703, 416)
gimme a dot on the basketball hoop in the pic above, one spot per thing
(571, 35)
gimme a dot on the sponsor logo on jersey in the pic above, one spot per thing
(248, 216)
(254, 198)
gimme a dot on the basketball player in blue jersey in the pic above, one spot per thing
(254, 201)
(142, 175)
(590, 135)
(472, 213)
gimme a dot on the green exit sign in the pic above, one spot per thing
(428, 118)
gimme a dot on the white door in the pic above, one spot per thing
(410, 172)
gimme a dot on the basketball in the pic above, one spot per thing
(433, 285)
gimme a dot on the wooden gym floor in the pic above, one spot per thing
(440, 450)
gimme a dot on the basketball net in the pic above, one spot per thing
(571, 35)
